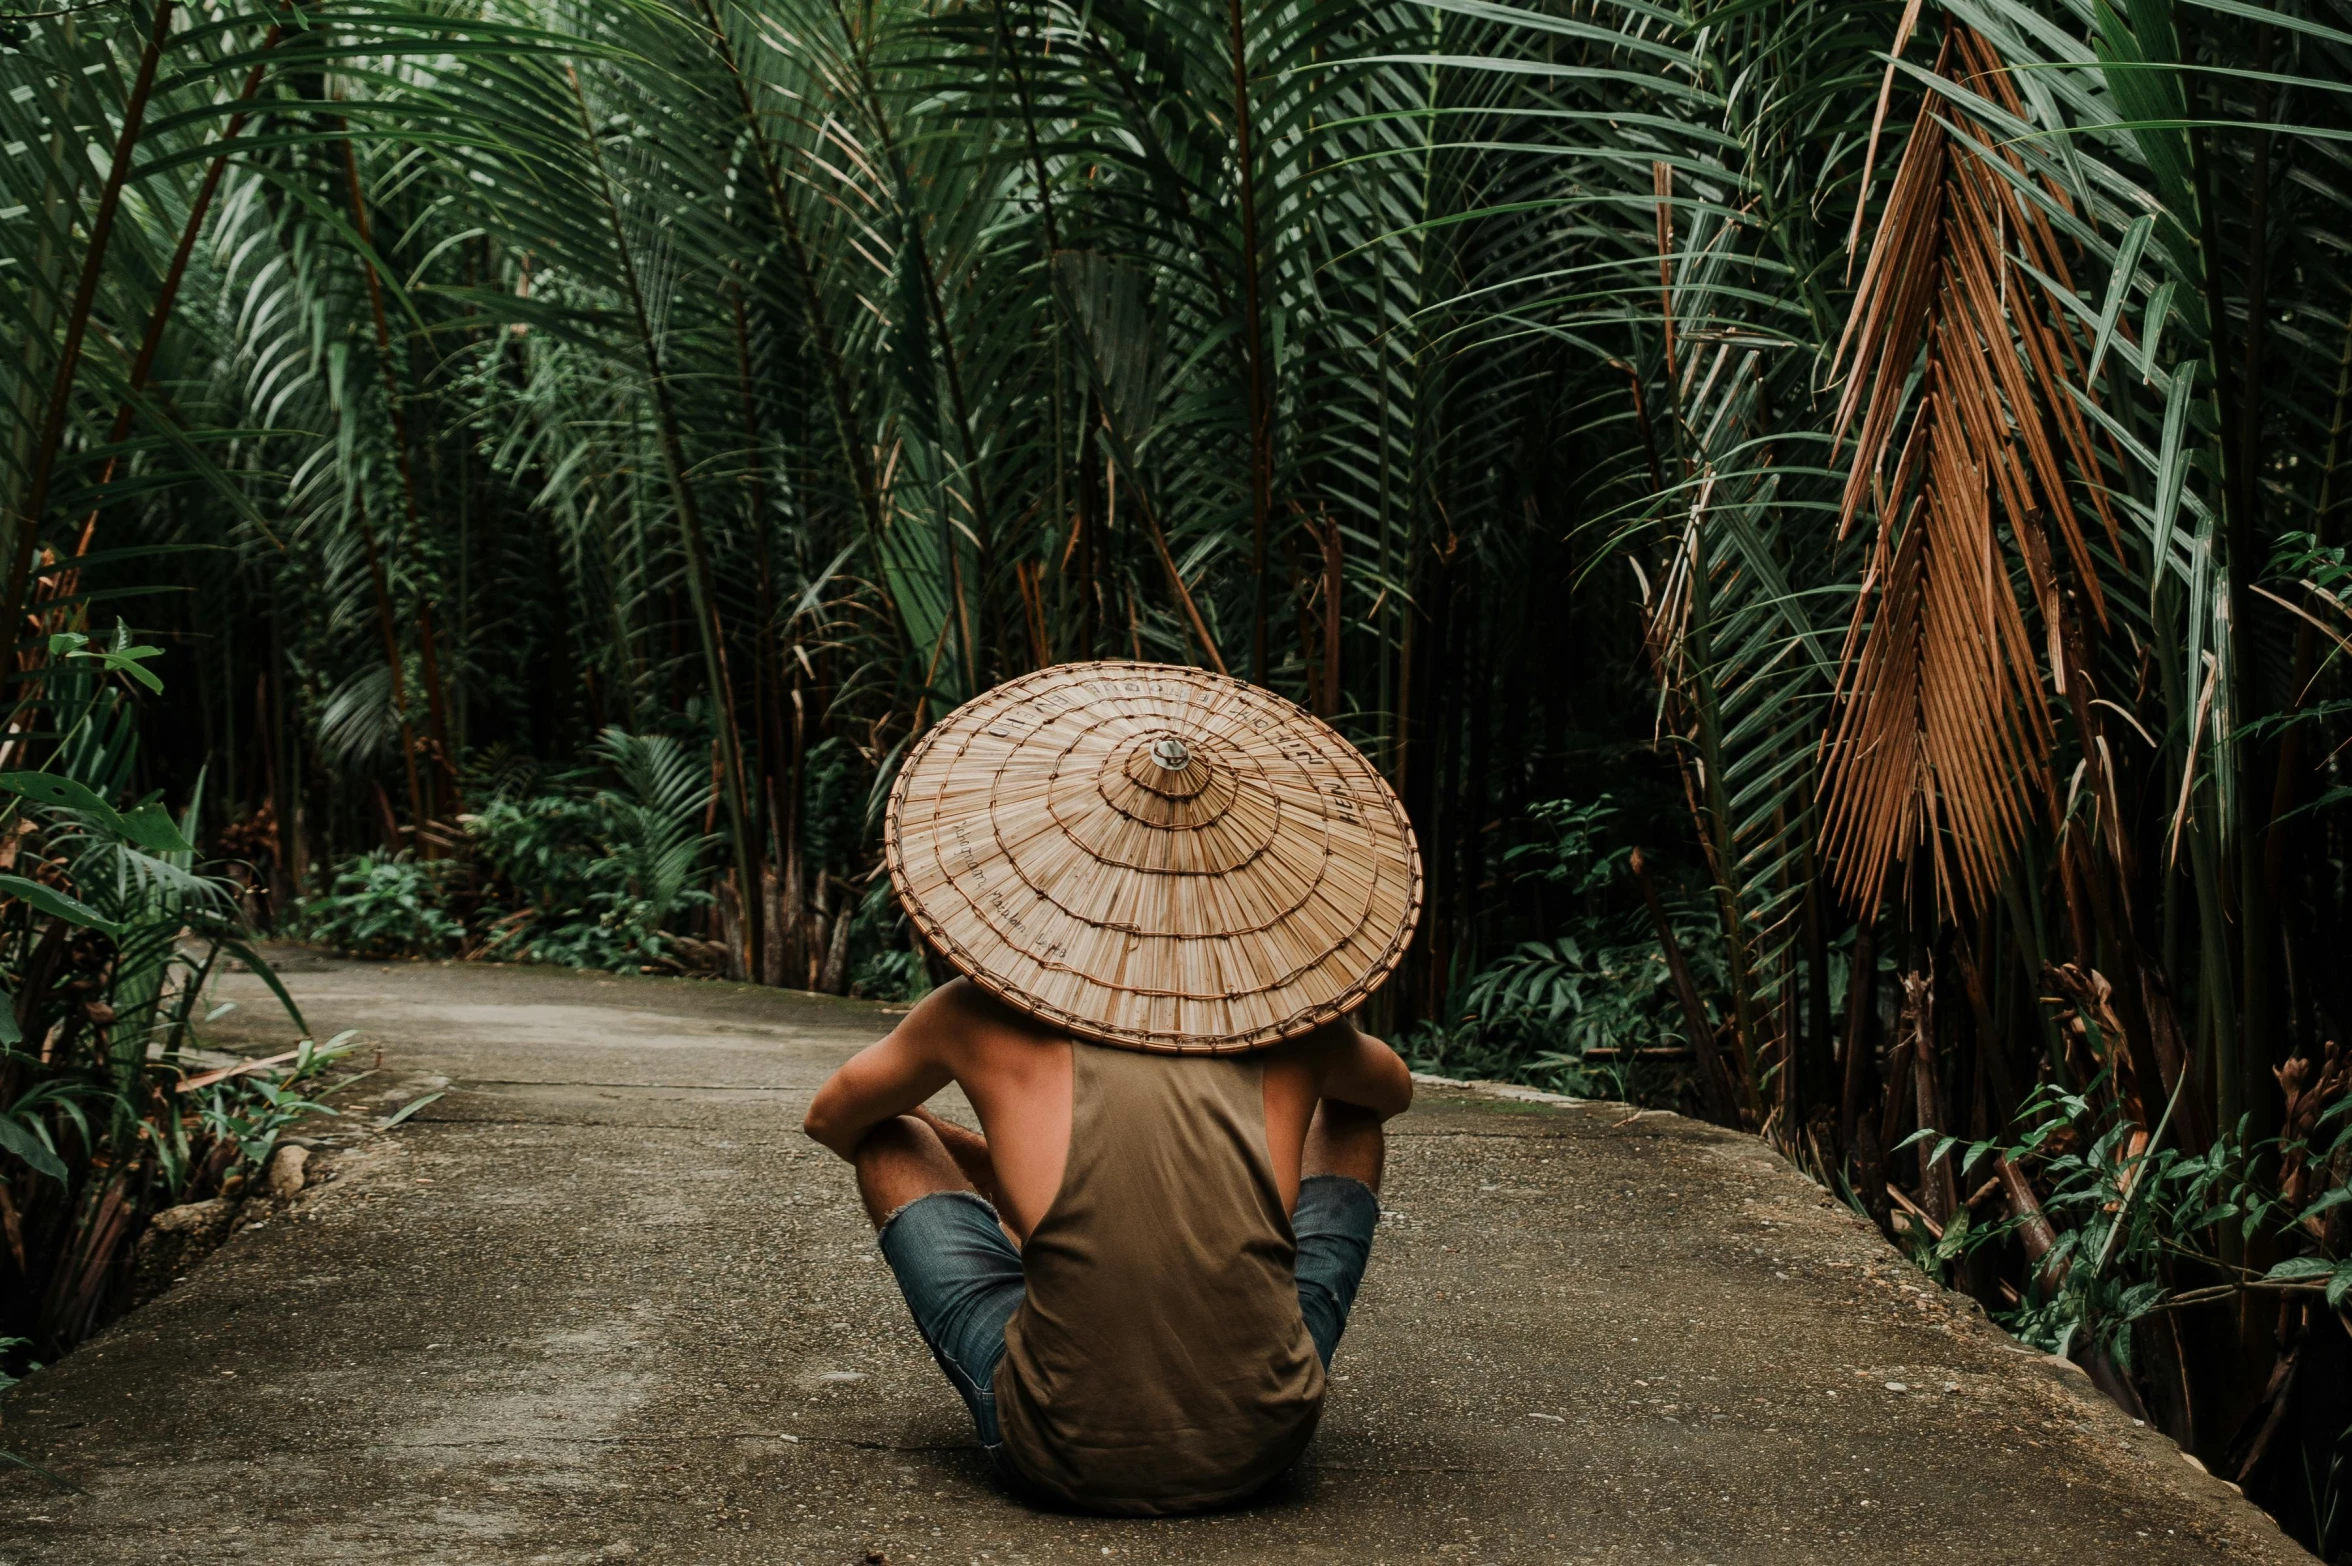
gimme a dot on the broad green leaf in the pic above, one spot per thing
(2295, 1268)
(52, 901)
(2335, 1198)
(50, 789)
(18, 1138)
(152, 828)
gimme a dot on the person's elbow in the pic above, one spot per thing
(1397, 1096)
(827, 1125)
(1384, 1083)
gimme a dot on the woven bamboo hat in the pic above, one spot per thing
(1154, 857)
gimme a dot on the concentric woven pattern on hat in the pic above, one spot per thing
(1154, 856)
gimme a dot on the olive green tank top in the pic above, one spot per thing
(1159, 1362)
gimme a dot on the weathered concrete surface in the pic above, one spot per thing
(603, 1302)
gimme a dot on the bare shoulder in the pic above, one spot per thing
(1315, 1049)
(961, 1023)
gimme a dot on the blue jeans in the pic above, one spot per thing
(962, 1277)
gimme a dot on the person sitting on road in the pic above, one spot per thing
(1166, 891)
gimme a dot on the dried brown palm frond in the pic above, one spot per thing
(1942, 714)
(1959, 364)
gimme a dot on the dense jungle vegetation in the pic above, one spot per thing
(1830, 514)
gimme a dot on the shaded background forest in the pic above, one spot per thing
(1829, 515)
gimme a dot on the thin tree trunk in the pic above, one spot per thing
(673, 451)
(77, 327)
(1334, 580)
(1936, 1187)
(1992, 1050)
(793, 893)
(856, 455)
(1713, 1087)
(1814, 1057)
(1087, 539)
(1722, 852)
(835, 979)
(2034, 1231)
(1253, 346)
(436, 714)
(1861, 1000)
(1159, 540)
(167, 296)
(754, 899)
(285, 794)
(451, 796)
(2260, 1014)
(1900, 1095)
(388, 627)
(913, 235)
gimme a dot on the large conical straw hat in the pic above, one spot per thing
(1154, 857)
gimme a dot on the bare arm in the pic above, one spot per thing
(1362, 1071)
(970, 1151)
(893, 1076)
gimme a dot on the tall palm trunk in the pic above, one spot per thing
(690, 532)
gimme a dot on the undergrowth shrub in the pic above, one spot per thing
(582, 876)
(594, 878)
(1575, 1011)
(384, 904)
(885, 964)
(111, 924)
(553, 889)
(2104, 1273)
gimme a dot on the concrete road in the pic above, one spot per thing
(602, 1302)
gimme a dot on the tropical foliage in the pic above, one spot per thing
(580, 876)
(106, 942)
(1893, 450)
